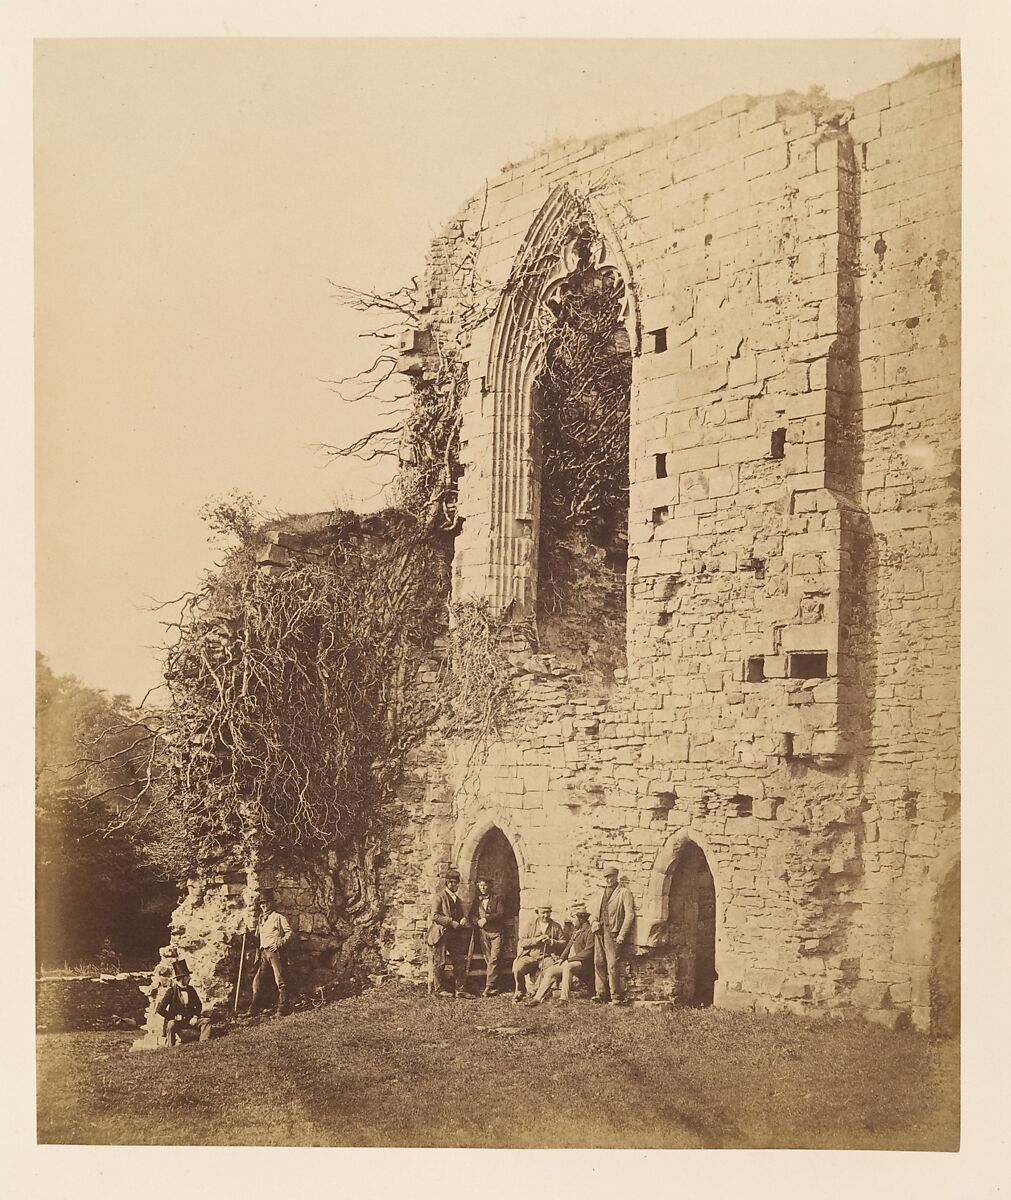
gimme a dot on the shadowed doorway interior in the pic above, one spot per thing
(691, 925)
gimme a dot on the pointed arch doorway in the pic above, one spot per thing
(495, 859)
(691, 924)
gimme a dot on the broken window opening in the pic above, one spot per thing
(581, 447)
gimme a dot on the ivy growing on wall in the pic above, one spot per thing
(291, 705)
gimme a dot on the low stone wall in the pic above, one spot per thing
(80, 1002)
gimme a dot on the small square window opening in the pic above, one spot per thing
(808, 665)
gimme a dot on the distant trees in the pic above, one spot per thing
(107, 855)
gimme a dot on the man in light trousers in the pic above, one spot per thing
(273, 933)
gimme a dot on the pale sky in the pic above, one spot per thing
(193, 198)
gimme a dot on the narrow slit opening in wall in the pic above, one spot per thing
(661, 466)
(660, 514)
(754, 669)
(659, 337)
(777, 448)
(808, 665)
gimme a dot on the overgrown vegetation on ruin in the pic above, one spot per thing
(476, 683)
(288, 719)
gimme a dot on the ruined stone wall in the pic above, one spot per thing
(84, 1002)
(790, 699)
(907, 141)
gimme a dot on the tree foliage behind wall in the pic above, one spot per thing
(99, 884)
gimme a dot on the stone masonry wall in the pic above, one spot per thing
(790, 701)
(82, 1002)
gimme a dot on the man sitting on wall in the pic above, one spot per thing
(541, 941)
(575, 959)
(181, 1010)
(486, 918)
(446, 938)
(273, 933)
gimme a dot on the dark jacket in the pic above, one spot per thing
(172, 1005)
(445, 910)
(579, 947)
(493, 916)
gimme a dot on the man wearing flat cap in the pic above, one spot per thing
(446, 939)
(540, 942)
(575, 959)
(181, 1010)
(612, 927)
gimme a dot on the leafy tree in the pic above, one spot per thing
(106, 855)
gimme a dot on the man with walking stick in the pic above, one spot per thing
(273, 933)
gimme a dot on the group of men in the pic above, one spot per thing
(545, 956)
(180, 1007)
(595, 949)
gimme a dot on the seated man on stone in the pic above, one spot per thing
(575, 959)
(181, 1010)
(539, 944)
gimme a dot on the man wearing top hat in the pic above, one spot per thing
(446, 938)
(575, 959)
(180, 1007)
(541, 940)
(612, 927)
(273, 933)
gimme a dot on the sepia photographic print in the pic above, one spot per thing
(498, 582)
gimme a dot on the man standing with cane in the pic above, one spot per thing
(273, 933)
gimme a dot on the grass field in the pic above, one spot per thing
(394, 1068)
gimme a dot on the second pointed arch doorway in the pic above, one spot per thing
(691, 924)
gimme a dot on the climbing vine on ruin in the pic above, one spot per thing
(477, 681)
(429, 451)
(288, 718)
